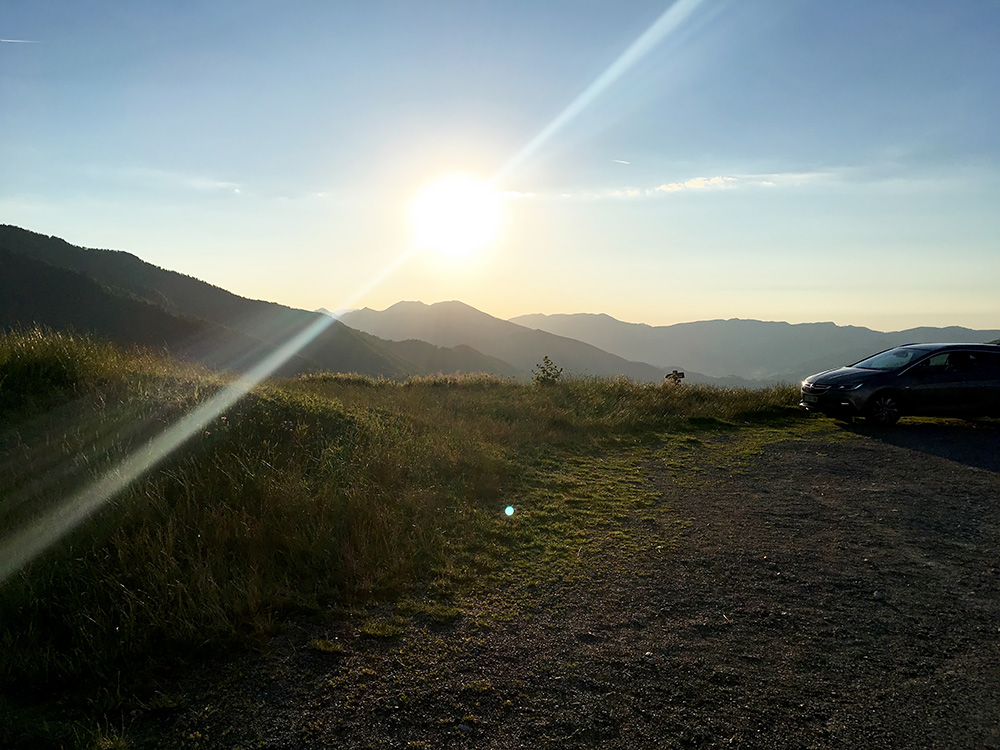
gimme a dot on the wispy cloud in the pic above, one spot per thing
(627, 193)
(745, 181)
(207, 183)
(701, 184)
(620, 161)
(696, 183)
(163, 178)
(788, 179)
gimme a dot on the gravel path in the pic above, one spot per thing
(828, 593)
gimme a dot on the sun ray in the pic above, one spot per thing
(662, 27)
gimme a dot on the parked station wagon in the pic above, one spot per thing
(960, 380)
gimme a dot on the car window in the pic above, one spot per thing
(963, 362)
(985, 366)
(957, 364)
(892, 359)
(992, 364)
(938, 360)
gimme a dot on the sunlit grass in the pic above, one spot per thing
(309, 492)
(326, 646)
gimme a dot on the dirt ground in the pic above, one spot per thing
(838, 591)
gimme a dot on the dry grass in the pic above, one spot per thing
(307, 492)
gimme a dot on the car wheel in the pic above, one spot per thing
(883, 409)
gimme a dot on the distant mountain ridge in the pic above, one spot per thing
(759, 350)
(115, 295)
(456, 323)
(45, 280)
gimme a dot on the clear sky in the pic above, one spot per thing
(660, 162)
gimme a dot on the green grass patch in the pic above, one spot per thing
(325, 646)
(383, 627)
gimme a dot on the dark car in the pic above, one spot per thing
(960, 380)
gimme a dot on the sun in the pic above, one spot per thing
(456, 215)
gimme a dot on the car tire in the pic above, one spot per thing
(882, 409)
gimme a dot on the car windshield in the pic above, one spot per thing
(892, 359)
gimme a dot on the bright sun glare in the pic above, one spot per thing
(456, 215)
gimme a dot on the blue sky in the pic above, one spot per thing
(786, 160)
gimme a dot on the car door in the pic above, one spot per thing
(931, 386)
(984, 396)
(964, 370)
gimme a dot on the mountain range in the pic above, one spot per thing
(117, 296)
(758, 350)
(451, 324)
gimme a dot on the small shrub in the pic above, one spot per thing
(546, 373)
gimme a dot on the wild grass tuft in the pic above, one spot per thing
(383, 627)
(326, 646)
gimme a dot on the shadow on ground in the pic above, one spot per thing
(974, 443)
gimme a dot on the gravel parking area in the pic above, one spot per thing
(837, 591)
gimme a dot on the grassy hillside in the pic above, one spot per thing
(128, 273)
(433, 359)
(34, 293)
(307, 493)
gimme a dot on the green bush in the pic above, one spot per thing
(546, 373)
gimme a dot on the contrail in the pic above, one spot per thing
(647, 41)
(620, 161)
(20, 41)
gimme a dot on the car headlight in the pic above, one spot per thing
(848, 386)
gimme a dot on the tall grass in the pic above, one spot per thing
(38, 364)
(517, 416)
(309, 491)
